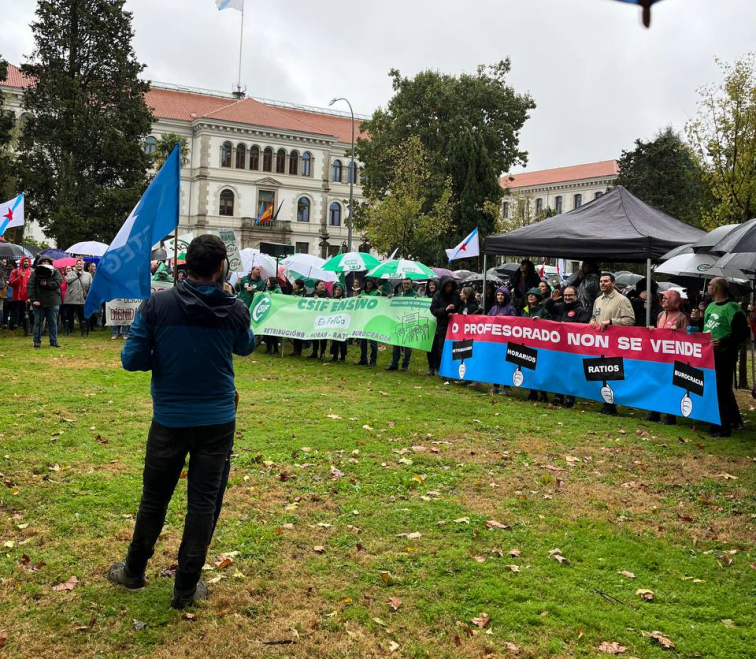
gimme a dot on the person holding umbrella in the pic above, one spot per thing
(19, 283)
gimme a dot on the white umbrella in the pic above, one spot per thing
(307, 267)
(250, 257)
(303, 261)
(88, 248)
(697, 265)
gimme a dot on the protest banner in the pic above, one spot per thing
(121, 312)
(228, 236)
(401, 321)
(660, 370)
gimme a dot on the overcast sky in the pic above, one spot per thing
(600, 80)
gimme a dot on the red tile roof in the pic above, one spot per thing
(15, 78)
(340, 127)
(561, 174)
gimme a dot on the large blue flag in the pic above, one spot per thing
(124, 269)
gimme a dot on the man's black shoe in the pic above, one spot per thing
(392, 368)
(610, 410)
(372, 364)
(569, 402)
(360, 363)
(533, 396)
(182, 600)
(55, 345)
(37, 345)
(405, 368)
(117, 574)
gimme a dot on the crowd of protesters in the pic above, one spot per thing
(39, 297)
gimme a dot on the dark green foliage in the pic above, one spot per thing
(164, 147)
(6, 133)
(468, 124)
(663, 172)
(81, 159)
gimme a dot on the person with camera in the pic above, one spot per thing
(187, 337)
(77, 287)
(43, 288)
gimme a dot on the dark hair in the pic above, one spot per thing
(610, 275)
(300, 283)
(371, 281)
(204, 255)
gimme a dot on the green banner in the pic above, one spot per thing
(402, 321)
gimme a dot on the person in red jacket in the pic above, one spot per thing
(18, 280)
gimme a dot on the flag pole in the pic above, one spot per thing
(241, 44)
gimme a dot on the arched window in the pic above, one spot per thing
(226, 150)
(578, 199)
(241, 156)
(598, 195)
(352, 169)
(226, 203)
(294, 163)
(334, 215)
(254, 158)
(505, 210)
(150, 144)
(558, 204)
(336, 171)
(306, 164)
(281, 162)
(539, 206)
(303, 210)
(268, 160)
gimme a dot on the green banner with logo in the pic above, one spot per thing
(402, 321)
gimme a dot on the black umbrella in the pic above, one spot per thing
(475, 278)
(508, 269)
(159, 254)
(738, 247)
(11, 250)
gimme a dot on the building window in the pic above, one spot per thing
(539, 206)
(281, 162)
(268, 160)
(241, 156)
(598, 195)
(336, 171)
(333, 250)
(254, 158)
(226, 203)
(303, 210)
(302, 248)
(558, 204)
(265, 199)
(294, 163)
(226, 150)
(578, 199)
(505, 210)
(334, 215)
(150, 144)
(306, 164)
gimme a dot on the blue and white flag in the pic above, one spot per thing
(230, 4)
(124, 269)
(12, 214)
(469, 247)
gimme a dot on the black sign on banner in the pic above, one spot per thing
(689, 378)
(604, 369)
(522, 355)
(462, 350)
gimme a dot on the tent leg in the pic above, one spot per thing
(485, 274)
(648, 292)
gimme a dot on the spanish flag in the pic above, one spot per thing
(267, 214)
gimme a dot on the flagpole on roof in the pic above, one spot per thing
(241, 46)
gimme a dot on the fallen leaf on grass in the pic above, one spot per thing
(462, 520)
(727, 477)
(67, 585)
(223, 562)
(662, 640)
(138, 624)
(612, 648)
(387, 578)
(511, 647)
(497, 551)
(515, 553)
(482, 620)
(333, 416)
(559, 558)
(627, 574)
(556, 550)
(380, 622)
(645, 594)
(728, 623)
(318, 549)
(410, 536)
(394, 603)
(393, 646)
(513, 568)
(493, 524)
(367, 427)
(189, 616)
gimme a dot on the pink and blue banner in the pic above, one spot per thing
(660, 370)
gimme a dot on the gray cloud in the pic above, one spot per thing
(600, 80)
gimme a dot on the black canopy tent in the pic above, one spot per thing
(617, 227)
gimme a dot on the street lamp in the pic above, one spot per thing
(351, 175)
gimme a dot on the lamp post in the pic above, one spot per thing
(351, 175)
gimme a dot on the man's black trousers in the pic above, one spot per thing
(724, 367)
(209, 450)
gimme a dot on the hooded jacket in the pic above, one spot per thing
(506, 309)
(567, 312)
(442, 299)
(186, 336)
(536, 312)
(19, 279)
(44, 284)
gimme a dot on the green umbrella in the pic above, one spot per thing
(351, 262)
(401, 268)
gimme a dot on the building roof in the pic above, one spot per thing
(15, 78)
(340, 127)
(561, 174)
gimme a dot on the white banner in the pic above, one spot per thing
(228, 236)
(121, 312)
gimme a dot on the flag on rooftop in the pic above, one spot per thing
(230, 4)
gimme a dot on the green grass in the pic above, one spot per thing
(407, 455)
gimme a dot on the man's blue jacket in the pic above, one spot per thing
(186, 337)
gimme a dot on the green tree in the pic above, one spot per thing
(469, 127)
(7, 180)
(164, 147)
(82, 161)
(664, 172)
(404, 218)
(723, 136)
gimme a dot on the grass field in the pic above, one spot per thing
(373, 514)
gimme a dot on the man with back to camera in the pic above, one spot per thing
(611, 308)
(186, 336)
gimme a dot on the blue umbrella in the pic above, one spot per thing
(55, 254)
(646, 4)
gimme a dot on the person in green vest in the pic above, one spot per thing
(271, 342)
(406, 290)
(253, 283)
(727, 324)
(299, 289)
(338, 348)
(370, 288)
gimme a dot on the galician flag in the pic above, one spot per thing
(469, 247)
(124, 269)
(12, 214)
(230, 4)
